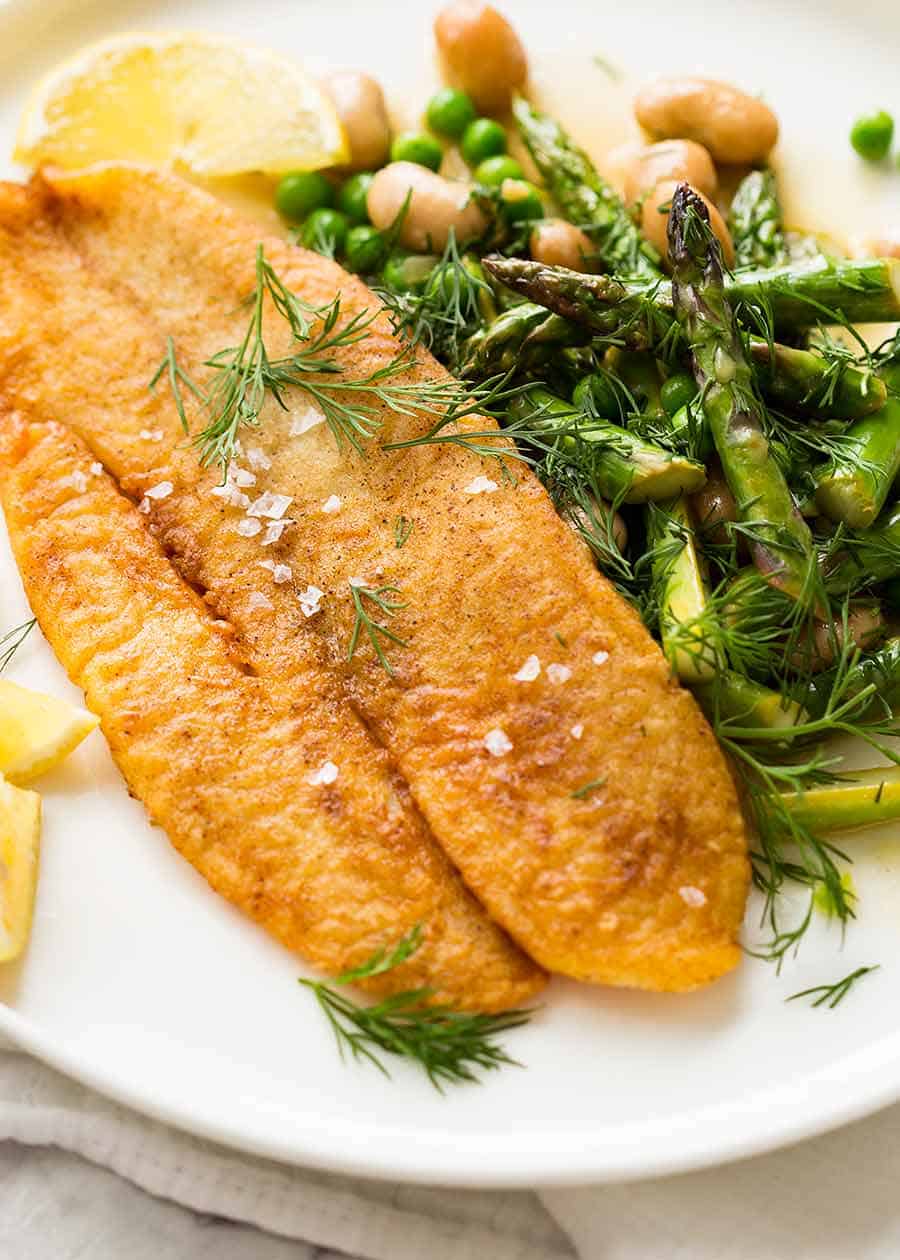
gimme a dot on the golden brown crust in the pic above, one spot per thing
(222, 757)
(643, 881)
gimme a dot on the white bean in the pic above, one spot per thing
(435, 206)
(733, 126)
(481, 52)
(359, 102)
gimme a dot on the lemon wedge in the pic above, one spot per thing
(37, 731)
(211, 104)
(20, 838)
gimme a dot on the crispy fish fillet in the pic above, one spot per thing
(641, 880)
(223, 758)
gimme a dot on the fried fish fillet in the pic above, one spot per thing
(225, 759)
(640, 880)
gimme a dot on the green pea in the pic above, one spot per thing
(677, 392)
(871, 135)
(449, 112)
(325, 231)
(596, 395)
(408, 273)
(364, 250)
(520, 200)
(494, 170)
(415, 146)
(482, 139)
(302, 191)
(352, 198)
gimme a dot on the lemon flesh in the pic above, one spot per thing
(212, 105)
(20, 836)
(37, 731)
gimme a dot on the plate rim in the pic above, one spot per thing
(807, 1107)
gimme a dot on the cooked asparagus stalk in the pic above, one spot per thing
(862, 799)
(854, 485)
(681, 592)
(780, 541)
(798, 296)
(523, 336)
(803, 380)
(756, 222)
(729, 697)
(626, 469)
(584, 196)
(873, 555)
(635, 320)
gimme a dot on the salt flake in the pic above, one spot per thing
(306, 420)
(247, 528)
(77, 480)
(274, 530)
(529, 670)
(600, 658)
(258, 459)
(691, 896)
(481, 485)
(151, 435)
(162, 491)
(310, 600)
(280, 572)
(558, 673)
(577, 730)
(258, 600)
(326, 774)
(272, 506)
(96, 468)
(497, 742)
(331, 504)
(241, 476)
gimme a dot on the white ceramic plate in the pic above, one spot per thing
(142, 983)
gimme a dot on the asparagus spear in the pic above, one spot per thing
(626, 469)
(730, 697)
(854, 485)
(861, 799)
(805, 381)
(780, 541)
(873, 555)
(798, 296)
(681, 591)
(521, 337)
(635, 319)
(584, 196)
(755, 222)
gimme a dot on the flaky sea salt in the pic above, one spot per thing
(258, 459)
(230, 494)
(600, 658)
(331, 504)
(529, 670)
(271, 506)
(691, 896)
(326, 774)
(248, 528)
(481, 485)
(77, 480)
(144, 506)
(242, 477)
(577, 730)
(558, 673)
(274, 530)
(357, 581)
(161, 491)
(259, 601)
(151, 435)
(280, 572)
(96, 468)
(310, 599)
(497, 742)
(306, 420)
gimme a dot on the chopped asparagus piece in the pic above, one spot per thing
(681, 592)
(862, 799)
(854, 485)
(756, 222)
(780, 541)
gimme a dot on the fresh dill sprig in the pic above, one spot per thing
(13, 640)
(176, 377)
(448, 1045)
(403, 527)
(585, 790)
(831, 995)
(380, 598)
